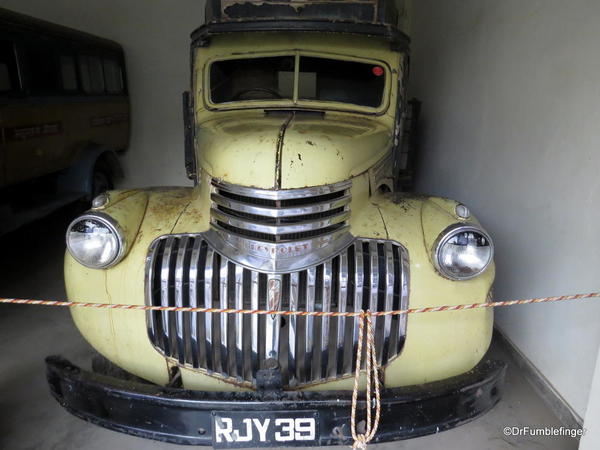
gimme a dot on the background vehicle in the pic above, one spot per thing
(295, 128)
(64, 115)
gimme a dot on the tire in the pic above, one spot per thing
(101, 181)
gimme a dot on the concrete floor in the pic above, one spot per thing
(31, 419)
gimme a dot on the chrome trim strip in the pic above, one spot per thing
(151, 324)
(179, 298)
(165, 273)
(325, 306)
(254, 319)
(404, 299)
(193, 299)
(342, 360)
(389, 302)
(269, 212)
(239, 323)
(374, 289)
(277, 230)
(223, 304)
(281, 194)
(208, 303)
(359, 279)
(311, 275)
(293, 325)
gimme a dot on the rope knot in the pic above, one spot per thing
(372, 374)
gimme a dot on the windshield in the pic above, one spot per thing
(318, 78)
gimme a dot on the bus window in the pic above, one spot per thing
(68, 73)
(8, 67)
(96, 75)
(113, 77)
(42, 70)
(92, 74)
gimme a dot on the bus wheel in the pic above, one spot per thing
(101, 182)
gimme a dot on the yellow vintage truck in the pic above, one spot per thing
(294, 141)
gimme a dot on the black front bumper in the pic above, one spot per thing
(184, 417)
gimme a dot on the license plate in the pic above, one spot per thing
(239, 429)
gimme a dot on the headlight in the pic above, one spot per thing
(95, 241)
(463, 252)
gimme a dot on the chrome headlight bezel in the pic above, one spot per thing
(113, 227)
(448, 234)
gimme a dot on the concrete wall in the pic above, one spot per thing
(511, 114)
(155, 36)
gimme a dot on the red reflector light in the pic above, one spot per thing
(377, 71)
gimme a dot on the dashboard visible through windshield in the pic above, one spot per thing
(297, 78)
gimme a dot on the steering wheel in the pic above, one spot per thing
(272, 92)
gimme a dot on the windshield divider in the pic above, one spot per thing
(296, 78)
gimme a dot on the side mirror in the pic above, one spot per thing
(188, 127)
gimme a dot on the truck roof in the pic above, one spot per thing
(377, 18)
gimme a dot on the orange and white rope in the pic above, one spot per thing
(429, 309)
(372, 368)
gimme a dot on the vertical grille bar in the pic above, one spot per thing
(187, 271)
(311, 275)
(150, 280)
(293, 323)
(165, 276)
(384, 355)
(223, 278)
(179, 298)
(193, 298)
(239, 322)
(326, 306)
(254, 319)
(374, 278)
(208, 317)
(359, 278)
(404, 293)
(341, 321)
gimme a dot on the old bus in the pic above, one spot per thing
(64, 116)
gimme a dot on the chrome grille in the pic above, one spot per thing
(281, 215)
(185, 270)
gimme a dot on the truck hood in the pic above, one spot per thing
(289, 150)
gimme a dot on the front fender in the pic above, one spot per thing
(442, 344)
(121, 336)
